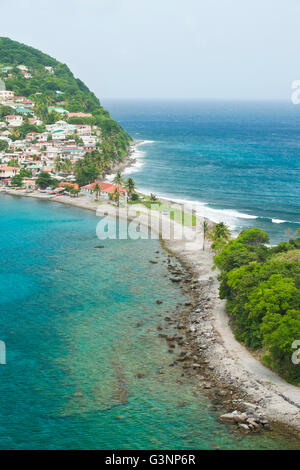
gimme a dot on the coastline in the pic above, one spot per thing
(230, 375)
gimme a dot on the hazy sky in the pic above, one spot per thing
(245, 49)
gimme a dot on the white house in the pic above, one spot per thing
(50, 70)
(6, 95)
(8, 171)
(89, 140)
(14, 121)
(22, 67)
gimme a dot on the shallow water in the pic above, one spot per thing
(69, 315)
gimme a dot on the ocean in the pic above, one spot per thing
(236, 162)
(86, 367)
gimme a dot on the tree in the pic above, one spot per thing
(74, 192)
(58, 164)
(67, 166)
(253, 236)
(118, 179)
(153, 198)
(116, 196)
(44, 180)
(17, 180)
(279, 334)
(205, 228)
(97, 190)
(130, 186)
(220, 230)
(25, 173)
(3, 145)
(13, 163)
(86, 170)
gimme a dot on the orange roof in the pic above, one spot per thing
(106, 187)
(70, 185)
(6, 168)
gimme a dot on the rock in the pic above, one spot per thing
(264, 422)
(77, 395)
(244, 426)
(252, 422)
(241, 418)
(181, 404)
(207, 385)
(153, 261)
(159, 302)
(140, 376)
(227, 418)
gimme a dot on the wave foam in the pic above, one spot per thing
(138, 155)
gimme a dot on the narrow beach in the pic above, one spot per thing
(232, 375)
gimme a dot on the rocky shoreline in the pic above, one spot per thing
(234, 381)
(190, 348)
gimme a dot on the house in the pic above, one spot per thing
(8, 171)
(89, 140)
(106, 188)
(14, 121)
(32, 136)
(22, 110)
(81, 115)
(29, 184)
(22, 67)
(49, 69)
(5, 69)
(26, 74)
(83, 129)
(5, 133)
(36, 121)
(6, 95)
(57, 110)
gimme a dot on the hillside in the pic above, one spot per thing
(55, 91)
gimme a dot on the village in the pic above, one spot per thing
(28, 162)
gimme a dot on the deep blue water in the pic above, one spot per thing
(79, 325)
(239, 162)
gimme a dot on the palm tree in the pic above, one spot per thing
(118, 179)
(116, 196)
(153, 198)
(67, 166)
(205, 227)
(97, 189)
(58, 164)
(130, 186)
(221, 230)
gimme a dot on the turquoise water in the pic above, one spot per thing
(237, 162)
(69, 314)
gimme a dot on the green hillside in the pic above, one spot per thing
(50, 89)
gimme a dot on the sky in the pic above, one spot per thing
(166, 49)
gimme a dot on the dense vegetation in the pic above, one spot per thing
(61, 90)
(262, 288)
